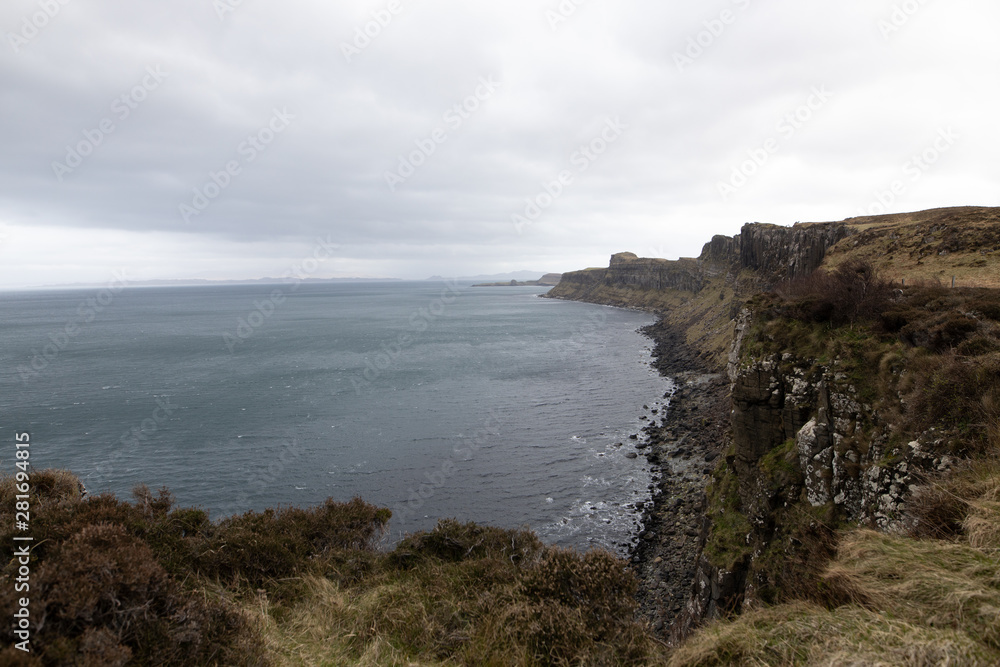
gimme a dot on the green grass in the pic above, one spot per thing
(727, 540)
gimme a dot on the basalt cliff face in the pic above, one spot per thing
(814, 444)
(825, 427)
(773, 253)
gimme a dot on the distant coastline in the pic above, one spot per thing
(548, 280)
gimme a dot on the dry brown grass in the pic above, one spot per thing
(467, 595)
(807, 634)
(933, 245)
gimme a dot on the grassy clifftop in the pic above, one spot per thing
(855, 518)
(936, 245)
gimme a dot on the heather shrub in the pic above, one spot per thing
(100, 597)
(260, 548)
(853, 292)
(978, 346)
(117, 583)
(952, 391)
(597, 583)
(453, 541)
(987, 305)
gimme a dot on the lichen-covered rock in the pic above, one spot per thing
(815, 448)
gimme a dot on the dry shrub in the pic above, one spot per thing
(952, 391)
(978, 346)
(595, 582)
(578, 605)
(937, 512)
(987, 304)
(552, 634)
(12, 657)
(853, 292)
(101, 598)
(101, 594)
(452, 541)
(258, 549)
(941, 319)
(982, 525)
(939, 332)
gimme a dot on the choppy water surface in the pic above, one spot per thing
(483, 404)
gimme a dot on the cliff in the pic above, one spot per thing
(771, 252)
(703, 295)
(843, 426)
(841, 414)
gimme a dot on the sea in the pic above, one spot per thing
(435, 399)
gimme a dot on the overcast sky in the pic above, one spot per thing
(223, 139)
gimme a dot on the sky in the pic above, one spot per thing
(236, 139)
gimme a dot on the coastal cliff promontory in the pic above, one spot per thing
(863, 367)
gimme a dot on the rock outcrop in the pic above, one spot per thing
(801, 434)
(773, 253)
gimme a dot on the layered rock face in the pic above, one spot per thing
(802, 433)
(774, 253)
(627, 270)
(549, 279)
(788, 252)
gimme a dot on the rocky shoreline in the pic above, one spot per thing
(683, 448)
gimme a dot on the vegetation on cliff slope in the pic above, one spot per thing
(927, 358)
(887, 600)
(116, 583)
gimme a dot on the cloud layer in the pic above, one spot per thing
(221, 139)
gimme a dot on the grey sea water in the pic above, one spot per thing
(436, 400)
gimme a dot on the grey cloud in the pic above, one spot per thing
(326, 173)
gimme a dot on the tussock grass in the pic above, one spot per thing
(927, 582)
(435, 601)
(808, 634)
